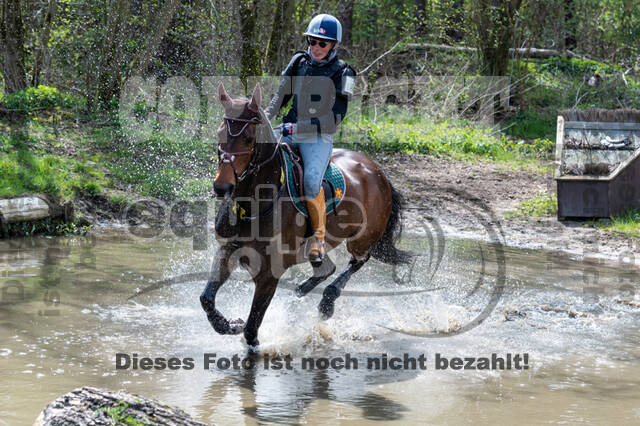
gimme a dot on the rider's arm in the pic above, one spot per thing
(281, 98)
(285, 90)
(344, 92)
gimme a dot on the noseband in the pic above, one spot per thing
(229, 157)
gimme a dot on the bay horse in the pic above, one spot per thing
(267, 237)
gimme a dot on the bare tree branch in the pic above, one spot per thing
(379, 57)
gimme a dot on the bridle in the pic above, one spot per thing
(229, 157)
(252, 168)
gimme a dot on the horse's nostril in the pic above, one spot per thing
(222, 190)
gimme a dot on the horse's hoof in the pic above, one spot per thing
(326, 309)
(252, 345)
(219, 324)
(326, 306)
(236, 326)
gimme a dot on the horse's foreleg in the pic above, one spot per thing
(265, 289)
(333, 290)
(220, 271)
(320, 273)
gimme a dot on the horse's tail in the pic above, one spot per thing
(385, 250)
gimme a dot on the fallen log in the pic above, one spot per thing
(24, 209)
(30, 208)
(93, 406)
(523, 52)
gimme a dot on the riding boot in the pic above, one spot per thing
(318, 216)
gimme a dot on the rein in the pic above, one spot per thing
(229, 157)
(252, 169)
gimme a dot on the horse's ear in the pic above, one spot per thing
(225, 99)
(256, 99)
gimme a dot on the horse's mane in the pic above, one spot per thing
(264, 131)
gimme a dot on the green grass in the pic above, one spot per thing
(539, 206)
(167, 164)
(626, 224)
(404, 132)
(531, 124)
(24, 169)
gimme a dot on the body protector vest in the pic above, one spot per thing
(320, 93)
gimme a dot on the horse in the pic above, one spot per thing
(271, 238)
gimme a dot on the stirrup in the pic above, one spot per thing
(323, 251)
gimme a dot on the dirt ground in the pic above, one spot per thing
(466, 199)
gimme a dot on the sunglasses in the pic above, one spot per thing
(313, 42)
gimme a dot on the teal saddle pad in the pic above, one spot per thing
(333, 180)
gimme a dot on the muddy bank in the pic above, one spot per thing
(449, 191)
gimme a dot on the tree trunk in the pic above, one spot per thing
(569, 26)
(420, 18)
(346, 18)
(44, 42)
(250, 59)
(454, 29)
(493, 22)
(278, 45)
(12, 46)
(109, 70)
(157, 29)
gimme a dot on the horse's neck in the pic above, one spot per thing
(269, 173)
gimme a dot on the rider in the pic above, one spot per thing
(320, 85)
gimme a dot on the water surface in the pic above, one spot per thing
(65, 311)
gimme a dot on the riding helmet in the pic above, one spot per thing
(325, 26)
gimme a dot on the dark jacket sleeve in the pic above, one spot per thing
(285, 90)
(344, 91)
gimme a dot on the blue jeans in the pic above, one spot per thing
(316, 153)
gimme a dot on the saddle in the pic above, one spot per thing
(292, 176)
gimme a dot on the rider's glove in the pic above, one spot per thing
(287, 129)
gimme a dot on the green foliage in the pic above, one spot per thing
(541, 205)
(531, 124)
(413, 133)
(164, 164)
(162, 182)
(627, 224)
(196, 187)
(202, 41)
(560, 83)
(159, 163)
(42, 99)
(118, 412)
(23, 171)
(46, 226)
(539, 147)
(119, 200)
(575, 67)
